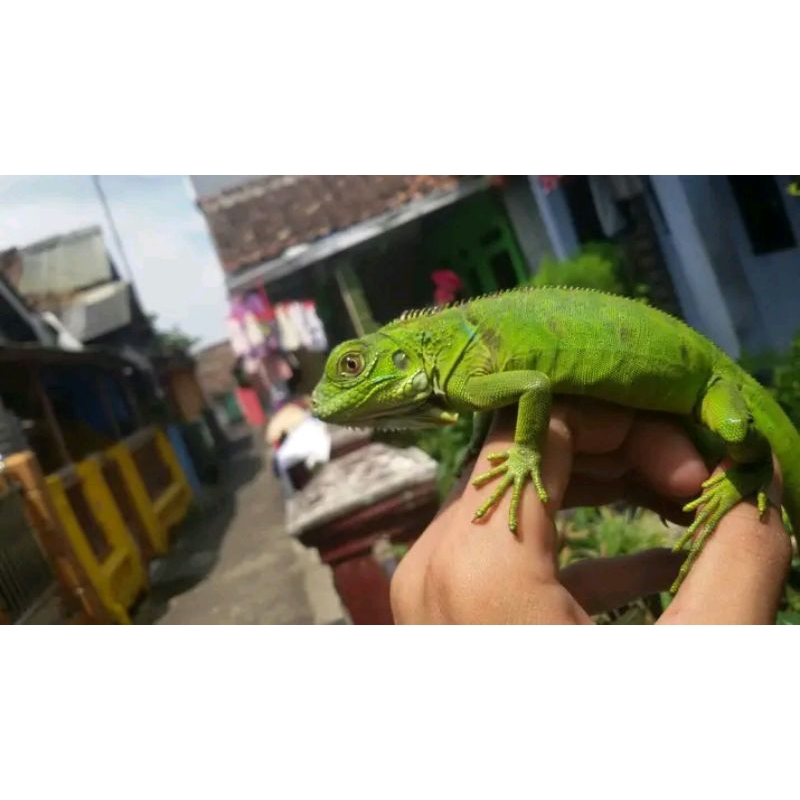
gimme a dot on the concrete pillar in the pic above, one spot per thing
(557, 219)
(693, 269)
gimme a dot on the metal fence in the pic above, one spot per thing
(25, 574)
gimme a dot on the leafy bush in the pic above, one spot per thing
(598, 265)
(780, 374)
(786, 381)
(608, 533)
(587, 271)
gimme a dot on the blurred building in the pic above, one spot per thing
(362, 249)
(724, 250)
(76, 299)
(74, 285)
(216, 365)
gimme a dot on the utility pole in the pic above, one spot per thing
(112, 226)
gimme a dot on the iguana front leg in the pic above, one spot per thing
(523, 459)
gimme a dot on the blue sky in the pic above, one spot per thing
(169, 249)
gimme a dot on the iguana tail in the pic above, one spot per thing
(772, 422)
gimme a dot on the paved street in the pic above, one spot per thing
(232, 563)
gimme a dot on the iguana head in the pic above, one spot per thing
(379, 382)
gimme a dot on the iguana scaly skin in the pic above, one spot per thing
(526, 345)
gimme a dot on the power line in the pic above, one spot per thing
(112, 226)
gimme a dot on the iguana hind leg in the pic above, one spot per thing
(724, 412)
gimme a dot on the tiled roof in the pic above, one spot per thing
(259, 220)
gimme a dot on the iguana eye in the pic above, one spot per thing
(351, 364)
(400, 360)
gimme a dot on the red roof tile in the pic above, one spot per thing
(259, 220)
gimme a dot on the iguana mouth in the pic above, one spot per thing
(431, 412)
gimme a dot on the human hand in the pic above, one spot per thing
(460, 572)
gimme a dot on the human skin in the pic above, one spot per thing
(462, 573)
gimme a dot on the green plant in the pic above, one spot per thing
(608, 533)
(780, 373)
(598, 265)
(786, 381)
(170, 342)
(789, 611)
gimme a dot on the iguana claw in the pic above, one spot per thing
(520, 463)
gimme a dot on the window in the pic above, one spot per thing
(580, 200)
(503, 268)
(763, 213)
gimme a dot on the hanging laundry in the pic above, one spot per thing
(255, 336)
(289, 335)
(257, 303)
(237, 337)
(298, 317)
(319, 341)
(268, 314)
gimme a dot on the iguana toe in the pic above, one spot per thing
(720, 494)
(520, 463)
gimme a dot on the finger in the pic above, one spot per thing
(597, 427)
(536, 532)
(738, 577)
(458, 508)
(656, 467)
(663, 457)
(603, 584)
(583, 491)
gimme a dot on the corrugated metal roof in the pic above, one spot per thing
(64, 264)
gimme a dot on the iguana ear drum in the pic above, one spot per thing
(400, 360)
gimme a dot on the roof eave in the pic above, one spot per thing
(297, 258)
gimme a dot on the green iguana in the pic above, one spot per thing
(525, 345)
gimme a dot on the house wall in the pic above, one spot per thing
(556, 219)
(745, 302)
(742, 301)
(704, 304)
(771, 280)
(526, 220)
